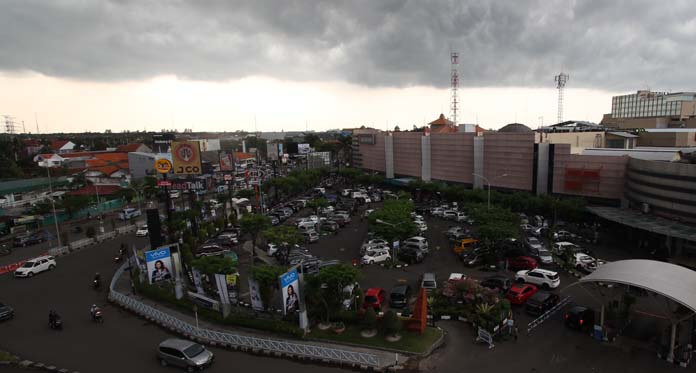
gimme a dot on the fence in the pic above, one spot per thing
(230, 339)
(81, 243)
(126, 229)
(536, 322)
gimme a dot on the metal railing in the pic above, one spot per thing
(126, 229)
(81, 243)
(232, 339)
(105, 236)
(536, 322)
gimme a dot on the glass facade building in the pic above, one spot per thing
(646, 104)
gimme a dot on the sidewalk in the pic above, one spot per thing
(386, 358)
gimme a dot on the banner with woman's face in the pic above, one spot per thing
(159, 265)
(290, 290)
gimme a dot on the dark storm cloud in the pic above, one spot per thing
(601, 44)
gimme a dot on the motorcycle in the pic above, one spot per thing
(96, 283)
(97, 316)
(56, 324)
(119, 257)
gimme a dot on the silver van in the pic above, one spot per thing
(428, 281)
(184, 354)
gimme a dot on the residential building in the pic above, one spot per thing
(62, 146)
(134, 147)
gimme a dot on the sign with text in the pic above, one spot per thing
(159, 264)
(187, 157)
(187, 185)
(290, 290)
(163, 166)
(163, 183)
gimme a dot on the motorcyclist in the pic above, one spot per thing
(97, 280)
(93, 310)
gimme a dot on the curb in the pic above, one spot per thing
(37, 365)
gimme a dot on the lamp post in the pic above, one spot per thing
(53, 203)
(489, 185)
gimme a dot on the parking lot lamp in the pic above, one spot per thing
(489, 185)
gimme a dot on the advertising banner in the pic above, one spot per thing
(255, 294)
(232, 293)
(226, 163)
(222, 288)
(303, 148)
(272, 152)
(198, 281)
(159, 264)
(290, 291)
(186, 157)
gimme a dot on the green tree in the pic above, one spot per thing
(392, 323)
(318, 203)
(327, 286)
(253, 225)
(370, 319)
(211, 265)
(267, 277)
(73, 204)
(393, 221)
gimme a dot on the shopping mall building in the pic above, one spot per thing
(650, 193)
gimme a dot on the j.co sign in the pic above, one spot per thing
(187, 157)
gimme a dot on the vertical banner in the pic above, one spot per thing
(222, 288)
(159, 264)
(186, 157)
(226, 163)
(198, 281)
(255, 294)
(232, 293)
(290, 290)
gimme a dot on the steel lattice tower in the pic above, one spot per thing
(454, 104)
(561, 80)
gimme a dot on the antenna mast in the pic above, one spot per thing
(454, 79)
(561, 80)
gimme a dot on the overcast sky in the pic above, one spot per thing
(221, 65)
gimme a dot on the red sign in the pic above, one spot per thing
(164, 183)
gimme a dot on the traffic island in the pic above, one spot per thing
(409, 343)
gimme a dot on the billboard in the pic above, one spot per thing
(161, 142)
(186, 157)
(231, 281)
(255, 294)
(159, 264)
(226, 163)
(290, 291)
(303, 148)
(272, 151)
(222, 288)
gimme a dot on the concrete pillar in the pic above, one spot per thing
(542, 176)
(425, 158)
(672, 340)
(478, 162)
(389, 156)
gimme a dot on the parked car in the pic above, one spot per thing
(584, 262)
(579, 317)
(373, 256)
(497, 282)
(142, 231)
(559, 248)
(230, 236)
(428, 281)
(274, 219)
(519, 293)
(465, 245)
(311, 236)
(36, 265)
(449, 215)
(399, 296)
(422, 227)
(534, 243)
(6, 312)
(542, 255)
(349, 295)
(421, 242)
(521, 262)
(329, 225)
(374, 297)
(27, 240)
(184, 354)
(436, 211)
(410, 255)
(541, 302)
(563, 235)
(210, 249)
(540, 277)
(129, 213)
(474, 257)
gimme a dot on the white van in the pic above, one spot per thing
(128, 213)
(561, 247)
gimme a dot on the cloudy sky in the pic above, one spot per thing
(80, 65)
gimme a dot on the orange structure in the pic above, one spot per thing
(418, 320)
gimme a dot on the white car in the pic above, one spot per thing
(541, 277)
(36, 265)
(436, 211)
(142, 231)
(457, 277)
(422, 227)
(449, 214)
(272, 249)
(417, 218)
(460, 217)
(421, 242)
(374, 244)
(375, 256)
(584, 262)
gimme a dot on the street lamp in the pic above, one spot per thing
(489, 185)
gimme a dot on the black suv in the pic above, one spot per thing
(497, 282)
(27, 240)
(410, 255)
(399, 296)
(541, 302)
(579, 317)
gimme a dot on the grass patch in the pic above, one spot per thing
(6, 356)
(411, 342)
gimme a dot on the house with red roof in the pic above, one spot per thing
(134, 147)
(62, 146)
(31, 147)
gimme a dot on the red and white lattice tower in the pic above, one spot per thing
(454, 104)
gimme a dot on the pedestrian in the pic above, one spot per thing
(514, 333)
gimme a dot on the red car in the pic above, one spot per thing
(374, 297)
(521, 263)
(519, 293)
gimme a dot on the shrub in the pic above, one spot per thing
(392, 323)
(370, 318)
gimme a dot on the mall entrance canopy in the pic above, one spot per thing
(650, 223)
(673, 282)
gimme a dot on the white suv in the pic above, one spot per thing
(375, 256)
(584, 262)
(34, 266)
(540, 277)
(419, 241)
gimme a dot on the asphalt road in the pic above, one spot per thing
(123, 343)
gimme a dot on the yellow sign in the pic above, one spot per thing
(163, 166)
(187, 157)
